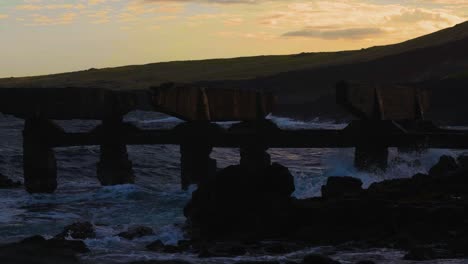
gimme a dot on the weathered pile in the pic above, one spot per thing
(426, 214)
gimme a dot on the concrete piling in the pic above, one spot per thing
(39, 162)
(114, 166)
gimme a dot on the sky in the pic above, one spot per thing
(52, 36)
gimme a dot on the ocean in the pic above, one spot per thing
(156, 200)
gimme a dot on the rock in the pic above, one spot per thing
(338, 187)
(136, 232)
(172, 249)
(281, 180)
(222, 250)
(157, 245)
(445, 165)
(276, 249)
(318, 259)
(79, 230)
(241, 202)
(258, 262)
(6, 183)
(366, 262)
(463, 161)
(185, 244)
(422, 253)
(38, 250)
(161, 262)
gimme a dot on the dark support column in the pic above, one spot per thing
(114, 166)
(371, 157)
(39, 163)
(370, 154)
(196, 165)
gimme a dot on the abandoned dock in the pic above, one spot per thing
(386, 116)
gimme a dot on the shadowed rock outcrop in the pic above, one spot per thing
(38, 250)
(425, 214)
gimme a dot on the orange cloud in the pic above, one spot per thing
(35, 7)
(42, 20)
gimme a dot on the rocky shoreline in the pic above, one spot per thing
(249, 210)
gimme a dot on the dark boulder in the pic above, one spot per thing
(136, 232)
(38, 250)
(157, 245)
(7, 183)
(258, 262)
(161, 262)
(239, 201)
(223, 250)
(79, 230)
(339, 187)
(463, 161)
(445, 165)
(427, 252)
(318, 259)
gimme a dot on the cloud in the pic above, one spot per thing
(348, 33)
(206, 1)
(34, 7)
(42, 20)
(100, 17)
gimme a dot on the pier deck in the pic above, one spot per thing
(385, 121)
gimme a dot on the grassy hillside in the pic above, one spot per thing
(142, 76)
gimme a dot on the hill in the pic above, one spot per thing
(305, 82)
(142, 76)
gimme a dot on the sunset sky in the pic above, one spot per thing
(41, 37)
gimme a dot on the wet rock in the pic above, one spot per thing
(392, 189)
(445, 165)
(161, 262)
(184, 244)
(172, 249)
(136, 232)
(318, 259)
(240, 202)
(222, 250)
(422, 253)
(157, 245)
(258, 262)
(338, 187)
(38, 250)
(276, 249)
(79, 230)
(6, 183)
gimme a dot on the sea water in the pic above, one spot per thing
(156, 200)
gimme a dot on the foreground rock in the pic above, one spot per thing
(38, 250)
(136, 232)
(425, 214)
(79, 230)
(7, 183)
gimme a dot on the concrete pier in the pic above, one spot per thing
(197, 167)
(39, 163)
(114, 166)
